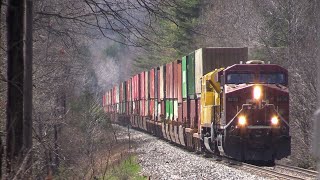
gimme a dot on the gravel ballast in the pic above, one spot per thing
(162, 160)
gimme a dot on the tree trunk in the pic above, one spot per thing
(1, 146)
(27, 126)
(14, 126)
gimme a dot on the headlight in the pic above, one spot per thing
(257, 92)
(274, 120)
(242, 121)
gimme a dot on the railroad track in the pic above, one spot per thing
(283, 172)
(278, 171)
(300, 171)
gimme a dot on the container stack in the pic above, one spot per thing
(162, 92)
(166, 100)
(128, 100)
(169, 92)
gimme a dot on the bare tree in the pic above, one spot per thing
(14, 137)
(27, 91)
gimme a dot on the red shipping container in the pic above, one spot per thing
(114, 95)
(133, 81)
(121, 92)
(146, 85)
(137, 87)
(142, 105)
(158, 89)
(163, 110)
(134, 88)
(128, 89)
(110, 97)
(169, 80)
(155, 83)
(106, 96)
(151, 109)
(186, 111)
(137, 104)
(180, 113)
(178, 81)
(151, 87)
(146, 108)
(142, 86)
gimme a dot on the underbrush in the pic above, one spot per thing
(127, 169)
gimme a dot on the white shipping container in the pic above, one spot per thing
(162, 82)
(175, 110)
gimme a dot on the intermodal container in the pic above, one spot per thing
(155, 83)
(155, 111)
(193, 113)
(175, 110)
(159, 114)
(190, 75)
(136, 87)
(118, 94)
(136, 83)
(167, 111)
(128, 89)
(199, 114)
(186, 112)
(180, 113)
(114, 93)
(146, 84)
(162, 79)
(133, 88)
(142, 86)
(152, 83)
(171, 110)
(124, 108)
(184, 77)
(169, 80)
(142, 107)
(151, 108)
(146, 108)
(110, 97)
(158, 88)
(121, 92)
(177, 81)
(106, 98)
(163, 110)
(209, 59)
(124, 96)
(134, 108)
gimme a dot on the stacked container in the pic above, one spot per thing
(152, 99)
(129, 94)
(169, 91)
(161, 92)
(173, 90)
(146, 91)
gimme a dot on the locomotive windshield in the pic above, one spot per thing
(272, 78)
(268, 78)
(239, 78)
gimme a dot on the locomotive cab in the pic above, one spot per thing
(254, 112)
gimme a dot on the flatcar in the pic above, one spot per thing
(213, 100)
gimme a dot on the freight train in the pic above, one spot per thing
(213, 100)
